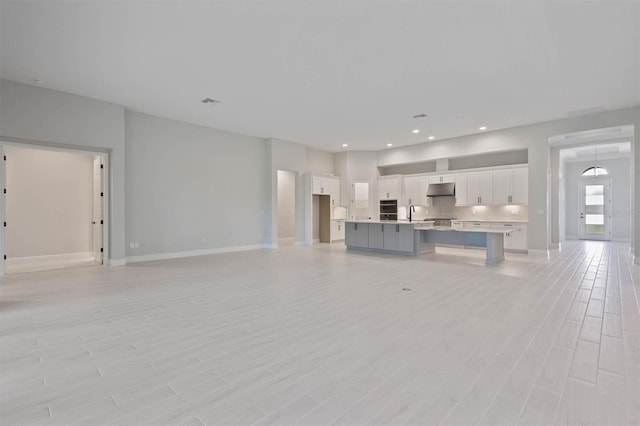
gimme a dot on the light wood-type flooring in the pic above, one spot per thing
(319, 335)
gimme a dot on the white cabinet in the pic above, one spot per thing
(357, 234)
(480, 188)
(320, 185)
(334, 191)
(442, 178)
(389, 188)
(510, 186)
(516, 240)
(461, 189)
(520, 186)
(414, 191)
(337, 230)
(324, 185)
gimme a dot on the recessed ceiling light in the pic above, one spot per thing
(431, 138)
(210, 101)
(420, 116)
(389, 144)
(415, 131)
(344, 145)
(483, 128)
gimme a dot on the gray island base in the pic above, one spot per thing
(410, 239)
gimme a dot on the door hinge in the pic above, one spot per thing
(102, 166)
(5, 157)
(102, 194)
(102, 222)
(5, 257)
(5, 190)
(101, 249)
(5, 224)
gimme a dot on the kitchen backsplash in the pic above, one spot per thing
(445, 207)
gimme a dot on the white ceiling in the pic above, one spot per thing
(326, 72)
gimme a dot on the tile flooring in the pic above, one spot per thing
(318, 335)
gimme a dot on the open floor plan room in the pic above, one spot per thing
(322, 335)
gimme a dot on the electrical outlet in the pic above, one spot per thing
(131, 245)
(540, 211)
(514, 212)
(473, 211)
(136, 245)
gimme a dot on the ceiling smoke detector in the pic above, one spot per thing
(420, 116)
(210, 101)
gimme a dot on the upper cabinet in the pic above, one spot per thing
(511, 186)
(480, 188)
(325, 185)
(389, 188)
(414, 191)
(442, 178)
(461, 189)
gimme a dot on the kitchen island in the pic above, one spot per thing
(416, 238)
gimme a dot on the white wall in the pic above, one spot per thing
(191, 187)
(286, 204)
(319, 161)
(619, 173)
(49, 202)
(48, 117)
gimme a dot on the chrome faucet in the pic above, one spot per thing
(411, 208)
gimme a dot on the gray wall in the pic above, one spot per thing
(32, 114)
(319, 161)
(290, 156)
(619, 173)
(191, 187)
(49, 202)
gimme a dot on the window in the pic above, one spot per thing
(595, 171)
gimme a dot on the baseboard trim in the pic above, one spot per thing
(117, 262)
(193, 253)
(571, 237)
(621, 240)
(52, 258)
(538, 252)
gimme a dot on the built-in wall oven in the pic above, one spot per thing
(388, 209)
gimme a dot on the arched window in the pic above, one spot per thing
(595, 171)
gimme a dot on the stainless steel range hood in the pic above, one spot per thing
(441, 189)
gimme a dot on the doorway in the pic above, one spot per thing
(361, 199)
(54, 208)
(286, 181)
(595, 209)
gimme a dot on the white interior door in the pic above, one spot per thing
(595, 209)
(97, 221)
(361, 197)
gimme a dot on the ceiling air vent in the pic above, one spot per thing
(210, 101)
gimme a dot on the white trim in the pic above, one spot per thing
(554, 246)
(301, 243)
(117, 262)
(538, 252)
(106, 187)
(571, 237)
(62, 257)
(191, 253)
(621, 240)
